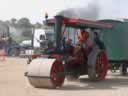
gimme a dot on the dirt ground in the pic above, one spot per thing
(14, 83)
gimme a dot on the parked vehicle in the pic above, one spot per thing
(115, 40)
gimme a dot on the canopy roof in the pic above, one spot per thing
(81, 23)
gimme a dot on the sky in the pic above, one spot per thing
(35, 9)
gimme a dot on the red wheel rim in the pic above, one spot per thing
(101, 65)
(56, 79)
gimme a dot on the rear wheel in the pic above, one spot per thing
(97, 65)
(101, 65)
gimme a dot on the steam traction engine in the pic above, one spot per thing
(53, 66)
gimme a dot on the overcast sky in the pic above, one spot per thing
(35, 9)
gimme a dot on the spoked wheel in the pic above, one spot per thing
(97, 65)
(57, 74)
(101, 65)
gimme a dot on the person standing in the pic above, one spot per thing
(98, 42)
(2, 50)
(42, 40)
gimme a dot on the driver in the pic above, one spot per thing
(82, 36)
(85, 41)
